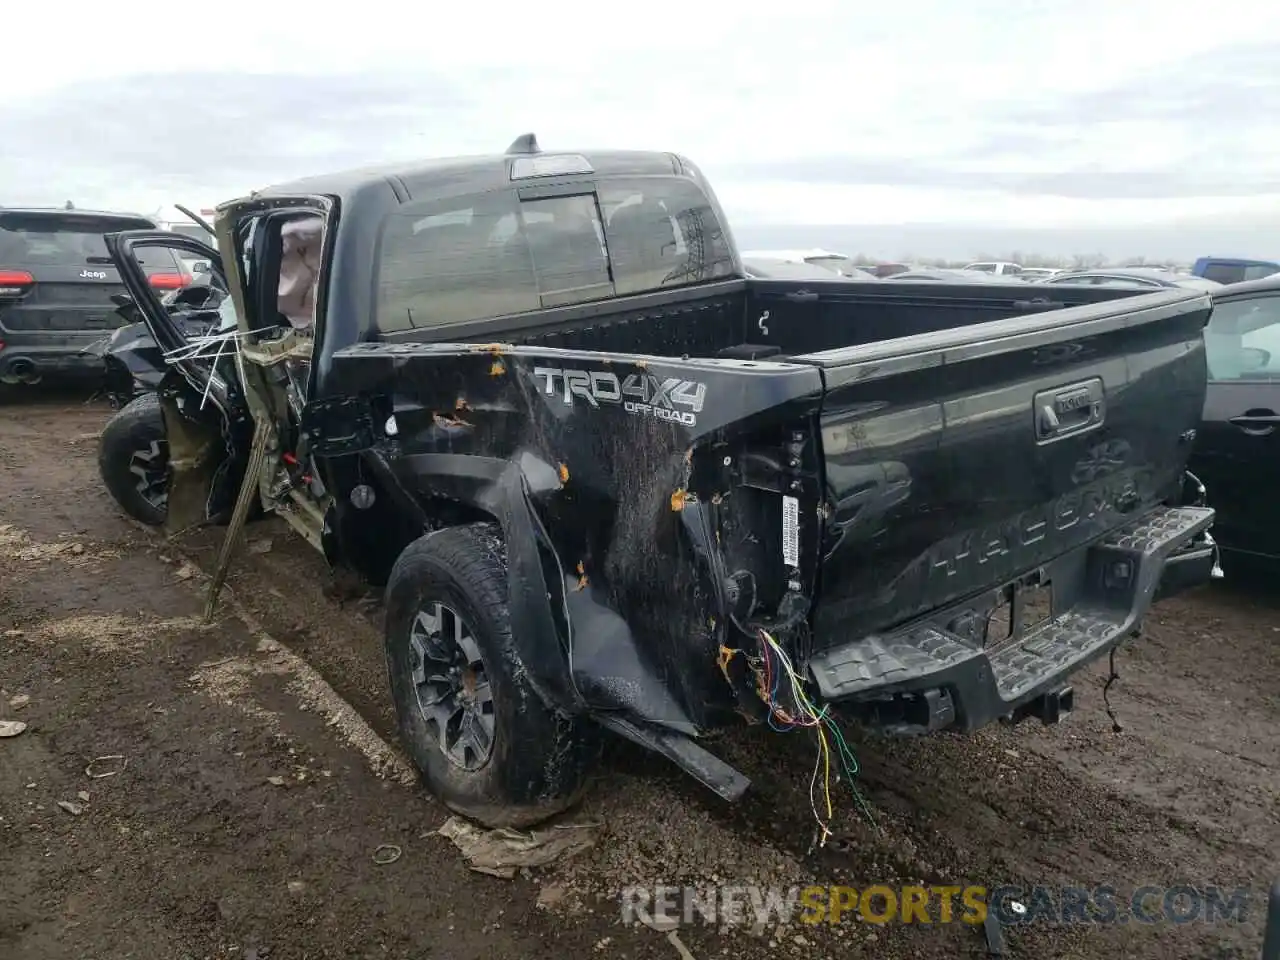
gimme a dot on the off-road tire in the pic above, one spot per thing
(540, 757)
(136, 429)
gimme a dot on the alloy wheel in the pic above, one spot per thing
(452, 686)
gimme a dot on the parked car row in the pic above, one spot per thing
(1132, 277)
(769, 262)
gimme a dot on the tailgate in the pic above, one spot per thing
(957, 461)
(63, 299)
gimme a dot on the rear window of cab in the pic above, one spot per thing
(491, 255)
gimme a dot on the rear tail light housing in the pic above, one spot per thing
(170, 281)
(14, 283)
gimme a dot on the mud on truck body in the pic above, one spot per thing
(608, 482)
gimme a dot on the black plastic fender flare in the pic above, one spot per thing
(499, 488)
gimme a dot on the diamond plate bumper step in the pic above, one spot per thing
(1120, 576)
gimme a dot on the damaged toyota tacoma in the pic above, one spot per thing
(611, 483)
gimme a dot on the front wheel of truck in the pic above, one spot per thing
(133, 459)
(486, 744)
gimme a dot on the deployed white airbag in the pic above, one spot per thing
(300, 271)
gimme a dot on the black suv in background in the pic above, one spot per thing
(56, 285)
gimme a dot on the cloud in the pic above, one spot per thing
(1215, 91)
(1055, 112)
(1203, 127)
(182, 136)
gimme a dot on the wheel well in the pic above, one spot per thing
(370, 540)
(454, 513)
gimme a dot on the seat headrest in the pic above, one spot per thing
(634, 215)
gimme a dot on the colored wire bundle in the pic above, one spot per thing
(778, 675)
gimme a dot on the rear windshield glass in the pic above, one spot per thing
(474, 258)
(662, 232)
(34, 239)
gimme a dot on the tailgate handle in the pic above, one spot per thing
(1069, 409)
(802, 296)
(1039, 303)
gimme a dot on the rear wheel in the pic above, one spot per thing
(484, 741)
(133, 459)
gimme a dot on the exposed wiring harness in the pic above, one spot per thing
(1112, 677)
(776, 679)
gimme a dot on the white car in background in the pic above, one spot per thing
(838, 263)
(1000, 268)
(1038, 274)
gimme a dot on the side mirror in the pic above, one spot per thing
(201, 267)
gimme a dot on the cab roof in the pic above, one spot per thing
(453, 176)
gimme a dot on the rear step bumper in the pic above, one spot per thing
(926, 677)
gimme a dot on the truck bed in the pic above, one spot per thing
(839, 463)
(709, 319)
(927, 427)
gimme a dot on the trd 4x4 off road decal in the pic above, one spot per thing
(667, 398)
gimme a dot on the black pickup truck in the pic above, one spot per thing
(609, 481)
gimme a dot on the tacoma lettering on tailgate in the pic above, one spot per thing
(669, 398)
(964, 554)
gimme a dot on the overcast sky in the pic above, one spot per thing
(1081, 114)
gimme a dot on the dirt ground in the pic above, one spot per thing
(257, 781)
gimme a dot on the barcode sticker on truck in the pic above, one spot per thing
(791, 531)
